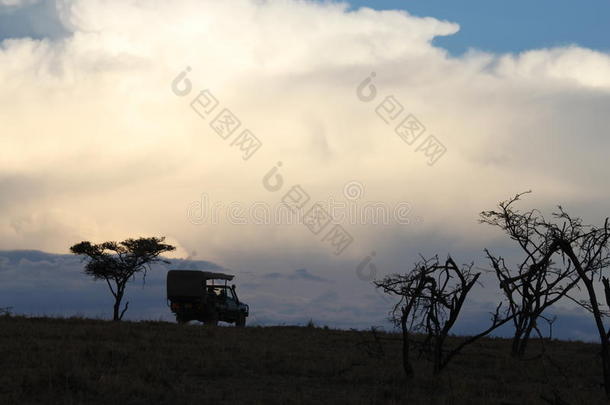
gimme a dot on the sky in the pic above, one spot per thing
(516, 26)
(396, 125)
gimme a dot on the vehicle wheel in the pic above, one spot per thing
(241, 321)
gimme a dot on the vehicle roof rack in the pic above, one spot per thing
(208, 275)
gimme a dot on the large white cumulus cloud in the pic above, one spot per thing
(96, 146)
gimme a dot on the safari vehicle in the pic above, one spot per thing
(202, 296)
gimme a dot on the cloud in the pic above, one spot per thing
(39, 283)
(565, 66)
(43, 284)
(304, 274)
(299, 274)
(96, 146)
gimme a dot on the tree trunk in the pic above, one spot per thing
(606, 367)
(117, 314)
(406, 365)
(438, 355)
(597, 314)
(516, 344)
(525, 339)
(116, 310)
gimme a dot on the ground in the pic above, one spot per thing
(83, 361)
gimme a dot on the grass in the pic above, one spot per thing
(83, 361)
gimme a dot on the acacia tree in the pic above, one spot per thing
(431, 297)
(536, 283)
(588, 248)
(119, 262)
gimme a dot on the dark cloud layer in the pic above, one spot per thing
(41, 284)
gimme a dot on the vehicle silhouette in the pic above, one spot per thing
(196, 295)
